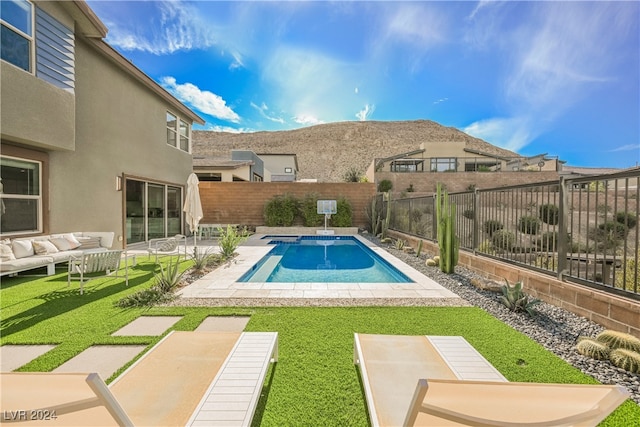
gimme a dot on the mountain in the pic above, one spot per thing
(327, 151)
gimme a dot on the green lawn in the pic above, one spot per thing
(314, 382)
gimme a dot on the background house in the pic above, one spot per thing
(89, 142)
(244, 165)
(283, 167)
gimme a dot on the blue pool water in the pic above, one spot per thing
(313, 259)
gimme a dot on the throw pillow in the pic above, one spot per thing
(22, 248)
(89, 242)
(6, 253)
(73, 239)
(44, 247)
(61, 243)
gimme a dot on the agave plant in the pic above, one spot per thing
(169, 278)
(201, 258)
(516, 300)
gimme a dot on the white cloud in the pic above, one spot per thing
(417, 24)
(307, 120)
(172, 27)
(439, 101)
(509, 133)
(356, 90)
(228, 129)
(237, 61)
(366, 112)
(262, 109)
(628, 147)
(204, 101)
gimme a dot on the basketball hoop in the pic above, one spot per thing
(327, 208)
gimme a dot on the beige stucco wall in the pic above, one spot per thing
(120, 129)
(35, 111)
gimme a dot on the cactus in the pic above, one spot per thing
(386, 198)
(419, 248)
(615, 340)
(593, 349)
(515, 300)
(431, 262)
(447, 240)
(626, 359)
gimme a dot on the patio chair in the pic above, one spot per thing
(482, 403)
(401, 374)
(168, 246)
(188, 378)
(106, 262)
(191, 378)
(65, 399)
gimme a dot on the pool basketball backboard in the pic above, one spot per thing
(327, 207)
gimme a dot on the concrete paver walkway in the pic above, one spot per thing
(14, 356)
(103, 359)
(223, 324)
(148, 325)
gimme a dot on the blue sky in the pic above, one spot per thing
(561, 78)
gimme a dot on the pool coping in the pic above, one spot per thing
(222, 283)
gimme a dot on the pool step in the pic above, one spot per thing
(265, 270)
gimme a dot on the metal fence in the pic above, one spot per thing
(580, 229)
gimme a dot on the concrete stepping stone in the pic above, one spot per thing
(148, 326)
(14, 356)
(223, 324)
(103, 359)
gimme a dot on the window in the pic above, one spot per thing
(172, 133)
(288, 170)
(21, 200)
(16, 17)
(443, 164)
(184, 136)
(179, 138)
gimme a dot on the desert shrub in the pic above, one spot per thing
(516, 300)
(549, 214)
(486, 247)
(202, 257)
(628, 219)
(384, 186)
(309, 210)
(628, 278)
(608, 235)
(353, 174)
(529, 224)
(503, 239)
(229, 240)
(490, 226)
(343, 216)
(469, 213)
(548, 241)
(410, 189)
(280, 210)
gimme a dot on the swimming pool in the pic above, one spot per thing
(329, 259)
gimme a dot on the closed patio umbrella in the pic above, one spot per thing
(193, 206)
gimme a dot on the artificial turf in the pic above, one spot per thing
(314, 383)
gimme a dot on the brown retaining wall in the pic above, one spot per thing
(611, 311)
(243, 202)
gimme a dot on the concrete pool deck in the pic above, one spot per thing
(222, 283)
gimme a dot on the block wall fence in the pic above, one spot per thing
(610, 311)
(243, 202)
(425, 182)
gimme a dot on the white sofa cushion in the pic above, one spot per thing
(61, 243)
(6, 251)
(44, 247)
(26, 263)
(22, 248)
(87, 242)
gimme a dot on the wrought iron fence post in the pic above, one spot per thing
(476, 214)
(563, 241)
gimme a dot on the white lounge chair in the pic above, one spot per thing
(188, 378)
(423, 380)
(106, 262)
(65, 399)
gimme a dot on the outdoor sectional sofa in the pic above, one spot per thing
(22, 254)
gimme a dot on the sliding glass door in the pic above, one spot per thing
(153, 210)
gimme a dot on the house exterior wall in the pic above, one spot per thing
(258, 163)
(107, 123)
(276, 164)
(119, 122)
(243, 202)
